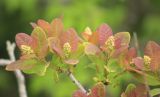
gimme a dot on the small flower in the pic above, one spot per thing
(67, 49)
(26, 49)
(147, 62)
(147, 59)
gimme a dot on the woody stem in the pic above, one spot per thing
(76, 82)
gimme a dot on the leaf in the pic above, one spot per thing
(79, 93)
(24, 39)
(132, 53)
(122, 39)
(79, 52)
(45, 26)
(98, 90)
(21, 64)
(135, 91)
(71, 61)
(94, 38)
(91, 49)
(104, 32)
(42, 44)
(138, 61)
(39, 68)
(153, 51)
(71, 37)
(55, 46)
(152, 80)
(56, 28)
(87, 33)
(155, 92)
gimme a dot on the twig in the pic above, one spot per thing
(77, 82)
(137, 48)
(3, 62)
(18, 73)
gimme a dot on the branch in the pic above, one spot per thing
(75, 81)
(18, 73)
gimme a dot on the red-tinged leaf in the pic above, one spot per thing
(71, 61)
(24, 39)
(27, 56)
(21, 64)
(42, 44)
(87, 33)
(94, 38)
(44, 25)
(104, 32)
(138, 61)
(153, 51)
(122, 39)
(98, 90)
(91, 49)
(132, 53)
(138, 91)
(71, 37)
(56, 28)
(79, 93)
(54, 45)
(120, 51)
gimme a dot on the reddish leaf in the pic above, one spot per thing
(24, 39)
(21, 64)
(71, 37)
(153, 51)
(71, 61)
(104, 32)
(55, 46)
(122, 39)
(98, 91)
(138, 61)
(138, 91)
(131, 53)
(56, 28)
(91, 49)
(87, 33)
(42, 44)
(94, 38)
(79, 93)
(44, 25)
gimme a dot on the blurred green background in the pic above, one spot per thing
(140, 16)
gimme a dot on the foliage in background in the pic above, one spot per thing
(16, 14)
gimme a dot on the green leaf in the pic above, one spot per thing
(155, 92)
(130, 88)
(38, 68)
(152, 80)
(79, 52)
(42, 44)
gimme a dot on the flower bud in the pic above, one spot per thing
(67, 49)
(26, 49)
(88, 31)
(147, 62)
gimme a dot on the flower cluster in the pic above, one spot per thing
(50, 46)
